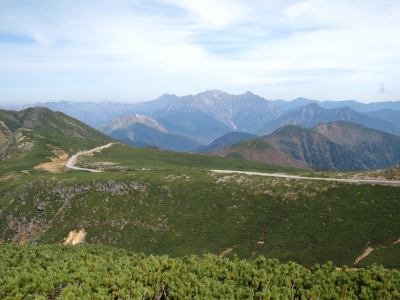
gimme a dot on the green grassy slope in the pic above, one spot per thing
(53, 122)
(179, 207)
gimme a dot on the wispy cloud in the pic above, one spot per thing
(137, 50)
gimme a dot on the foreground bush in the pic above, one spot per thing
(99, 272)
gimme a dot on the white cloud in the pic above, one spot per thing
(132, 51)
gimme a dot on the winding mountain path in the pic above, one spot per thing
(71, 162)
(367, 181)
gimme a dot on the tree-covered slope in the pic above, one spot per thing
(259, 150)
(314, 149)
(376, 149)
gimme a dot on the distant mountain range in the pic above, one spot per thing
(357, 106)
(189, 123)
(312, 114)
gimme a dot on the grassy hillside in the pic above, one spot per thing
(160, 202)
(52, 122)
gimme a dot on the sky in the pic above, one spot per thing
(134, 51)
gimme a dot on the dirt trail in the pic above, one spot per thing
(368, 181)
(227, 251)
(71, 162)
(364, 255)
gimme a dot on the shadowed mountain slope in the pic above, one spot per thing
(196, 124)
(375, 148)
(227, 140)
(339, 145)
(313, 148)
(142, 131)
(261, 151)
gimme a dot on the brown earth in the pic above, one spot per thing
(227, 251)
(57, 164)
(75, 237)
(366, 252)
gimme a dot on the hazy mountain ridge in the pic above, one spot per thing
(211, 114)
(328, 104)
(312, 114)
(390, 115)
(245, 112)
(142, 131)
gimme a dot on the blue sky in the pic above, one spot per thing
(131, 51)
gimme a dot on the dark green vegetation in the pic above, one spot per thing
(98, 272)
(53, 122)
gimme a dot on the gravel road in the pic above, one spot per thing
(364, 181)
(71, 162)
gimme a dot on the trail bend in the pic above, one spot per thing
(71, 162)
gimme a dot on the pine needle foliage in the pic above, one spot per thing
(100, 272)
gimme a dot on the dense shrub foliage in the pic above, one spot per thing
(99, 272)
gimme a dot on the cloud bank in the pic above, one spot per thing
(137, 50)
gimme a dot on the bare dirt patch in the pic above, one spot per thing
(75, 237)
(12, 176)
(227, 251)
(364, 255)
(57, 164)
